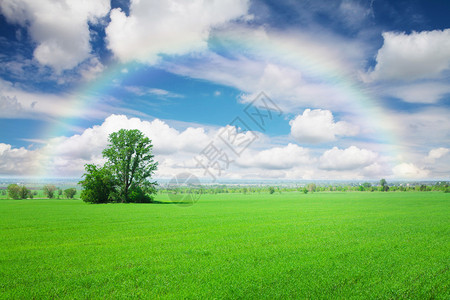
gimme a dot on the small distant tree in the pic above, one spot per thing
(18, 192)
(366, 185)
(384, 185)
(49, 190)
(25, 193)
(311, 187)
(14, 191)
(271, 190)
(70, 193)
(305, 190)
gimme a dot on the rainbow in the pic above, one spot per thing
(320, 68)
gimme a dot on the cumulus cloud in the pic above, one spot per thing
(411, 56)
(436, 154)
(167, 27)
(10, 105)
(409, 171)
(318, 126)
(346, 159)
(67, 155)
(18, 161)
(277, 158)
(60, 28)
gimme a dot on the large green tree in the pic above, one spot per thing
(129, 167)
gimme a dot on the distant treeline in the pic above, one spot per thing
(308, 188)
(14, 191)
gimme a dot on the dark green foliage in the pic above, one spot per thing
(271, 189)
(98, 184)
(305, 191)
(70, 193)
(130, 159)
(384, 185)
(49, 190)
(18, 192)
(25, 193)
(138, 195)
(126, 173)
(14, 191)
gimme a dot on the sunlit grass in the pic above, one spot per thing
(368, 245)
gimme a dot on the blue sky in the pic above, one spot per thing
(359, 89)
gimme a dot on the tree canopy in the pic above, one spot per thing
(125, 177)
(18, 192)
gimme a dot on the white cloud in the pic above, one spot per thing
(411, 56)
(436, 154)
(18, 103)
(426, 92)
(10, 105)
(173, 27)
(66, 156)
(276, 158)
(59, 28)
(175, 150)
(318, 126)
(346, 159)
(91, 69)
(296, 69)
(353, 12)
(18, 161)
(409, 171)
(420, 130)
(142, 91)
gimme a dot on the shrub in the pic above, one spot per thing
(49, 190)
(98, 185)
(14, 191)
(18, 192)
(70, 193)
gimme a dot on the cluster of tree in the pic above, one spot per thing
(22, 192)
(125, 175)
(18, 192)
(50, 191)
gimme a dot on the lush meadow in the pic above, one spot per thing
(288, 245)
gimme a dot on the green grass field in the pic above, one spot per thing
(290, 245)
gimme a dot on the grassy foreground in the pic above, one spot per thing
(327, 245)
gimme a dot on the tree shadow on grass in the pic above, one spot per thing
(168, 202)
